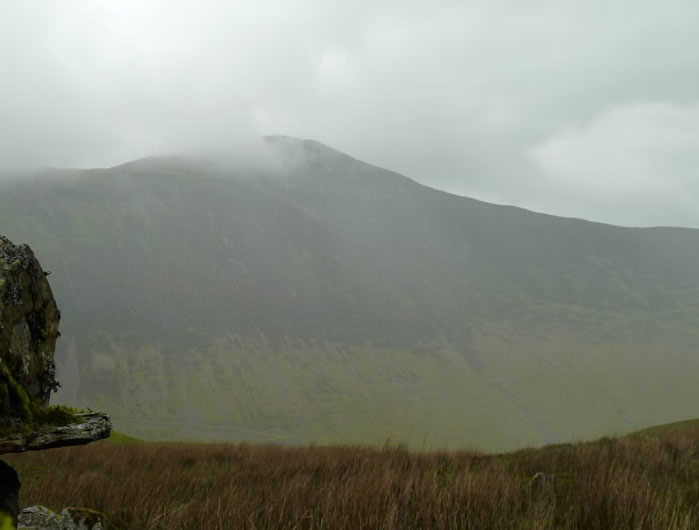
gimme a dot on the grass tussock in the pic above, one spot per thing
(634, 482)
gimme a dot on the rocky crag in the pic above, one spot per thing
(29, 321)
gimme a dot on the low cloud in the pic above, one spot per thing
(637, 162)
(573, 108)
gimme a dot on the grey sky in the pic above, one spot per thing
(587, 109)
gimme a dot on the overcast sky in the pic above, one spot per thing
(586, 109)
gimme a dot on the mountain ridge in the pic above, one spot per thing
(215, 161)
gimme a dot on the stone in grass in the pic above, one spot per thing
(543, 484)
(41, 518)
(38, 518)
(82, 519)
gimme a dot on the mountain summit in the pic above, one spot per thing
(304, 295)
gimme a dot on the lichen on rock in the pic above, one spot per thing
(42, 518)
(39, 517)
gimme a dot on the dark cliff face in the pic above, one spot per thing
(28, 327)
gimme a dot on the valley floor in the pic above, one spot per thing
(646, 480)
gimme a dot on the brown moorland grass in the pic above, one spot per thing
(634, 482)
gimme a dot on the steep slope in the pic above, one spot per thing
(316, 297)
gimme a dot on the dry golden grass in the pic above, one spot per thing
(631, 483)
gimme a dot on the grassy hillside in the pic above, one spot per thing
(318, 298)
(668, 428)
(640, 482)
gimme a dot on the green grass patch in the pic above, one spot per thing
(56, 415)
(119, 438)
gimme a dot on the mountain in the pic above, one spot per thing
(302, 295)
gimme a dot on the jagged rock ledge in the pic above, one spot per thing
(89, 427)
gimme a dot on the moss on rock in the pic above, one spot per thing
(14, 401)
(18, 413)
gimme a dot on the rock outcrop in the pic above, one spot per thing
(85, 428)
(29, 321)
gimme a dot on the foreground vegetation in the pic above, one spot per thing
(647, 480)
